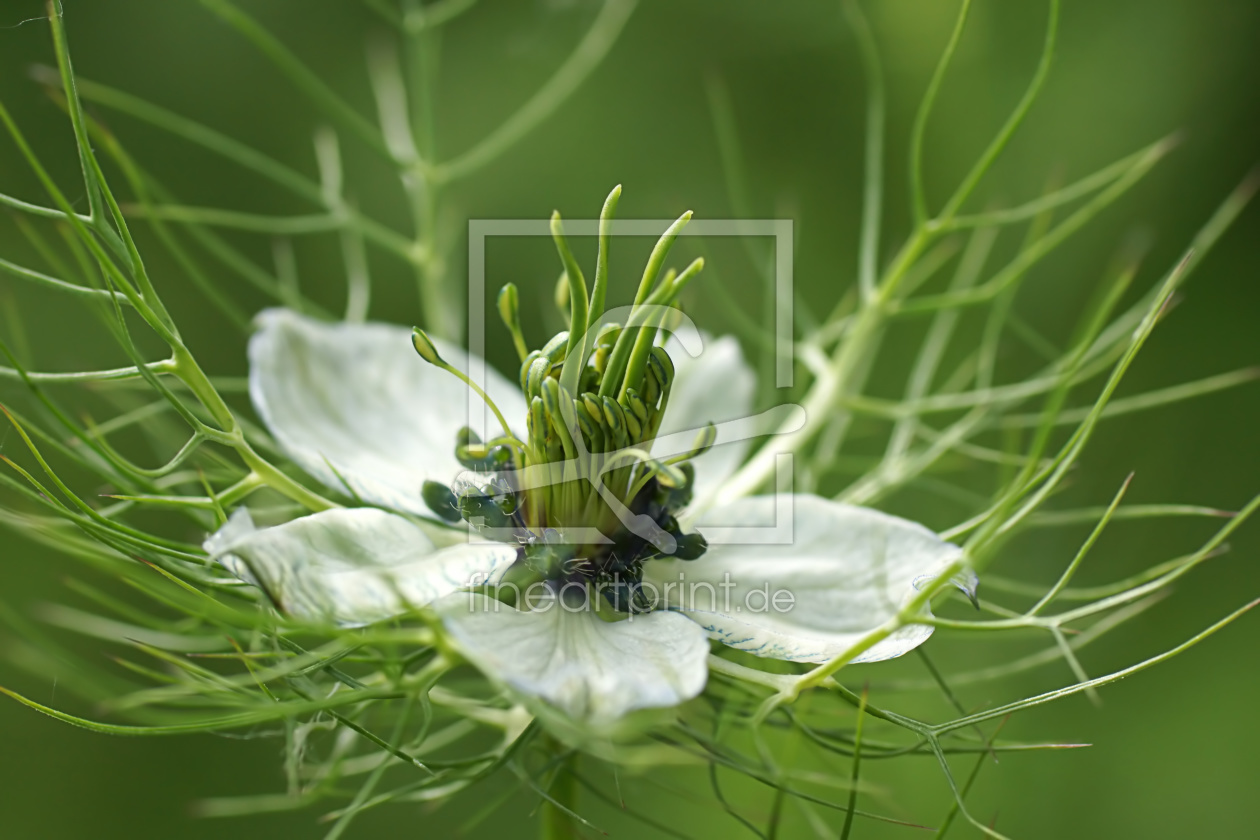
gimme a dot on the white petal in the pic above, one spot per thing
(714, 387)
(352, 566)
(356, 408)
(848, 570)
(592, 670)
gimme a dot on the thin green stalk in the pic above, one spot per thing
(873, 177)
(596, 44)
(1097, 682)
(315, 89)
(857, 765)
(58, 284)
(918, 194)
(1007, 131)
(829, 390)
(66, 72)
(555, 822)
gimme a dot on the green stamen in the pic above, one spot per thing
(510, 311)
(425, 347)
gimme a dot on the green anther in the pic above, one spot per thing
(633, 427)
(594, 407)
(663, 374)
(536, 375)
(525, 365)
(471, 452)
(537, 421)
(510, 311)
(553, 394)
(591, 431)
(483, 457)
(678, 497)
(590, 411)
(664, 367)
(616, 420)
(651, 386)
(557, 347)
(668, 476)
(636, 405)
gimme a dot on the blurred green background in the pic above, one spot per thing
(1175, 749)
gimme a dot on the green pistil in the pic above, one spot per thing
(600, 290)
(579, 309)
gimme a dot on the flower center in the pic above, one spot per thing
(582, 494)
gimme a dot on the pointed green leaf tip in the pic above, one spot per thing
(424, 346)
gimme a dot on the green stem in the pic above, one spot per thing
(270, 475)
(186, 368)
(556, 824)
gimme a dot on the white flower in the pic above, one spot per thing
(356, 408)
